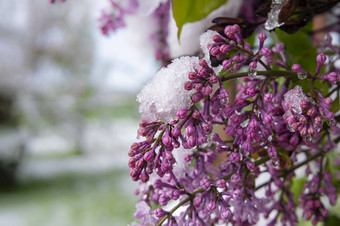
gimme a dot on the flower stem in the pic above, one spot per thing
(272, 73)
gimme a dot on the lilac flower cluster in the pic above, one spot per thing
(159, 38)
(271, 124)
(53, 1)
(116, 18)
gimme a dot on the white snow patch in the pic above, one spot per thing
(164, 95)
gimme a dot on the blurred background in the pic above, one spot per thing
(68, 114)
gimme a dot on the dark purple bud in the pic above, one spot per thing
(211, 205)
(250, 165)
(218, 38)
(253, 65)
(175, 194)
(192, 141)
(196, 114)
(197, 97)
(134, 173)
(163, 200)
(203, 63)
(144, 176)
(167, 140)
(327, 101)
(135, 146)
(192, 76)
(268, 97)
(262, 37)
(188, 86)
(189, 130)
(207, 128)
(272, 152)
(215, 51)
(226, 64)
(294, 140)
(132, 162)
(237, 194)
(303, 120)
(265, 52)
(226, 214)
(213, 79)
(321, 58)
(235, 58)
(132, 153)
(158, 184)
(304, 104)
(159, 213)
(176, 131)
(332, 77)
(298, 69)
(143, 123)
(235, 178)
(247, 146)
(237, 67)
(303, 132)
(203, 72)
(224, 49)
(267, 118)
(253, 124)
(311, 112)
(234, 157)
(207, 90)
(198, 200)
(182, 113)
(251, 92)
(310, 130)
(290, 119)
(205, 183)
(221, 183)
(149, 156)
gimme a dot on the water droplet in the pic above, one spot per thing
(276, 162)
(331, 122)
(290, 128)
(237, 112)
(307, 138)
(302, 75)
(224, 101)
(252, 72)
(245, 123)
(270, 138)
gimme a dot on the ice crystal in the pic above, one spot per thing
(206, 42)
(273, 16)
(161, 98)
(293, 98)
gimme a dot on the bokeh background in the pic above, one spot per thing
(68, 114)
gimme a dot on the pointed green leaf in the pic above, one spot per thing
(186, 11)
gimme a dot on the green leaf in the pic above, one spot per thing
(336, 105)
(300, 49)
(186, 11)
(297, 187)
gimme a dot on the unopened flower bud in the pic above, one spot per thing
(159, 213)
(205, 183)
(234, 157)
(237, 194)
(192, 76)
(188, 86)
(304, 104)
(221, 183)
(265, 52)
